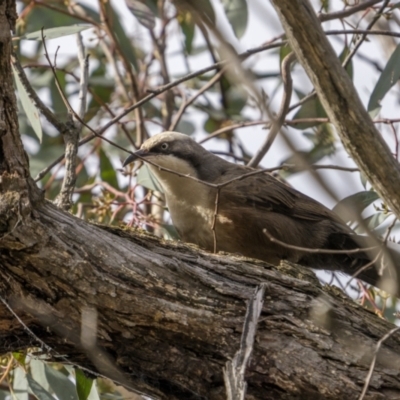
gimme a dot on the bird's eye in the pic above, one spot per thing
(164, 146)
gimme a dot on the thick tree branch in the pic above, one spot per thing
(339, 98)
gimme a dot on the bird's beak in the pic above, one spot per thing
(134, 156)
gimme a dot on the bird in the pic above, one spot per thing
(225, 207)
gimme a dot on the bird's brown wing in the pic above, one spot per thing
(265, 193)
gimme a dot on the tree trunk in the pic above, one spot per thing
(162, 317)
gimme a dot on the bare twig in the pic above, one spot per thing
(347, 11)
(373, 362)
(234, 370)
(187, 103)
(280, 119)
(364, 35)
(71, 136)
(316, 251)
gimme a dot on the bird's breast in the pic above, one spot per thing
(192, 220)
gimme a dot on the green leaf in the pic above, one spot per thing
(170, 231)
(310, 109)
(20, 357)
(60, 384)
(83, 384)
(58, 104)
(188, 28)
(350, 207)
(389, 76)
(107, 171)
(142, 12)
(30, 109)
(53, 33)
(101, 88)
(237, 13)
(38, 391)
(203, 8)
(20, 384)
(236, 99)
(147, 179)
(373, 222)
(186, 127)
(119, 31)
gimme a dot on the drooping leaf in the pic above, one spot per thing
(107, 171)
(60, 384)
(310, 109)
(350, 207)
(58, 104)
(94, 393)
(187, 25)
(389, 76)
(83, 384)
(325, 5)
(42, 17)
(373, 221)
(53, 33)
(236, 99)
(38, 391)
(37, 372)
(142, 12)
(20, 384)
(119, 31)
(30, 109)
(237, 13)
(147, 179)
(101, 89)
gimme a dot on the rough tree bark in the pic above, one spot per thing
(168, 315)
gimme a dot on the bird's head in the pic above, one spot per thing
(173, 151)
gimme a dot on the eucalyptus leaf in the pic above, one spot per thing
(389, 76)
(37, 390)
(60, 384)
(53, 33)
(142, 12)
(237, 13)
(30, 109)
(349, 207)
(107, 171)
(147, 179)
(373, 222)
(310, 109)
(20, 384)
(83, 384)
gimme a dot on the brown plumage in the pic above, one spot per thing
(247, 207)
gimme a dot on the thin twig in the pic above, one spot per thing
(186, 104)
(316, 251)
(348, 11)
(364, 35)
(373, 362)
(280, 119)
